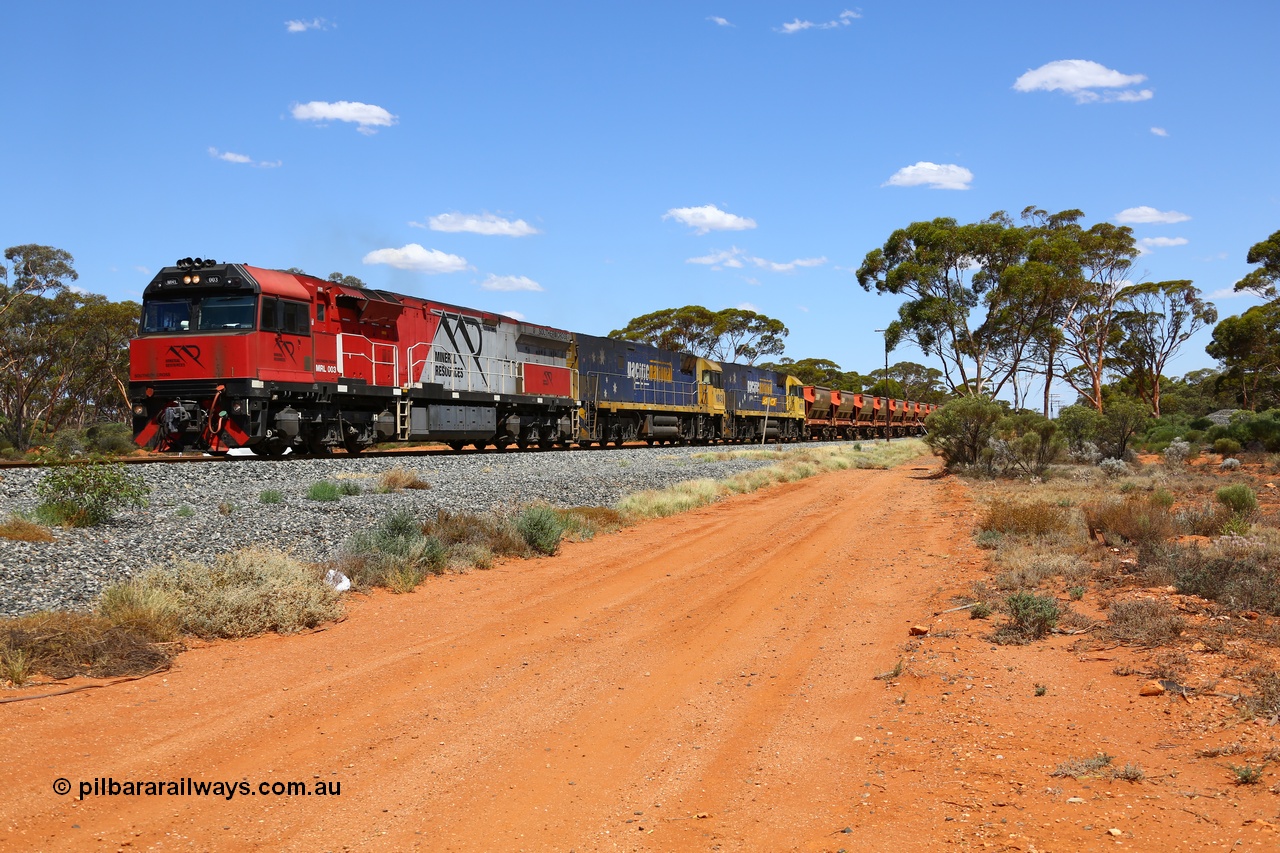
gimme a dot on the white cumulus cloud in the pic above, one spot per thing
(1144, 215)
(303, 26)
(367, 117)
(709, 218)
(719, 21)
(1080, 78)
(938, 176)
(736, 258)
(721, 258)
(748, 306)
(774, 266)
(1228, 293)
(1146, 244)
(477, 223)
(844, 19)
(414, 257)
(243, 159)
(514, 315)
(508, 283)
(1159, 131)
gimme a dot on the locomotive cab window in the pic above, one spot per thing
(712, 378)
(226, 312)
(282, 315)
(169, 315)
(205, 314)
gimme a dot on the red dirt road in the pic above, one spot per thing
(705, 682)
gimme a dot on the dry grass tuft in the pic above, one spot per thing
(19, 529)
(495, 532)
(398, 479)
(1078, 767)
(1035, 518)
(244, 593)
(1135, 518)
(63, 645)
(1144, 622)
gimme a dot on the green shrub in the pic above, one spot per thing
(271, 496)
(1226, 447)
(83, 494)
(1122, 420)
(323, 491)
(1238, 498)
(395, 554)
(184, 511)
(542, 528)
(1031, 617)
(1078, 425)
(110, 439)
(1030, 443)
(348, 488)
(962, 429)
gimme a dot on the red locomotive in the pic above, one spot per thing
(230, 355)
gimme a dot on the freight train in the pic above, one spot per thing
(235, 356)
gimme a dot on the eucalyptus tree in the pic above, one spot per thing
(961, 305)
(1263, 280)
(1089, 322)
(1248, 347)
(733, 334)
(1157, 319)
(34, 270)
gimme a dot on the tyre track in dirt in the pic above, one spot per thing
(716, 663)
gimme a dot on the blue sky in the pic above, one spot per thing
(583, 163)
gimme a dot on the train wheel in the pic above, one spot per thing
(456, 445)
(479, 445)
(270, 449)
(353, 447)
(522, 443)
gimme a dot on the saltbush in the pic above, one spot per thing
(542, 528)
(395, 554)
(1031, 617)
(1177, 453)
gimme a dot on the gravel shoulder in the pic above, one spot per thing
(69, 572)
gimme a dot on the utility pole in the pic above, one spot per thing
(886, 383)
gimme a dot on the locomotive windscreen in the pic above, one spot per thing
(198, 313)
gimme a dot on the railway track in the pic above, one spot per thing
(434, 450)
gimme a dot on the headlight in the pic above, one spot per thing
(139, 410)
